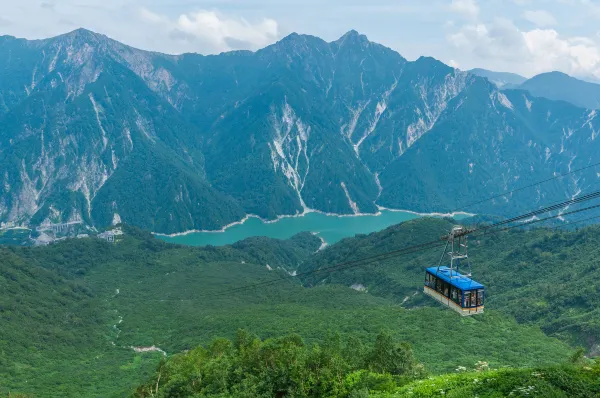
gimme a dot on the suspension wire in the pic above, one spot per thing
(426, 246)
(558, 227)
(542, 220)
(506, 193)
(434, 244)
(550, 208)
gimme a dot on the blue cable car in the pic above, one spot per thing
(448, 286)
(456, 291)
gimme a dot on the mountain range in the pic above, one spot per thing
(500, 79)
(100, 132)
(562, 87)
(552, 85)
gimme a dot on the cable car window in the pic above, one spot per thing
(454, 294)
(467, 299)
(446, 290)
(429, 280)
(480, 297)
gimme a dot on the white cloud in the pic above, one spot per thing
(215, 31)
(532, 52)
(500, 39)
(540, 18)
(468, 8)
(222, 31)
(149, 16)
(453, 64)
(577, 56)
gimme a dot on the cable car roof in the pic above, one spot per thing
(460, 281)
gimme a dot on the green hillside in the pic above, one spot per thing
(74, 310)
(559, 382)
(384, 368)
(542, 277)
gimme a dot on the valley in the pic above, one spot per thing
(330, 228)
(98, 301)
(258, 223)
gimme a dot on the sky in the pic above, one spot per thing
(520, 36)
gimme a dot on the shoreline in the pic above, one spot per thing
(380, 209)
(324, 243)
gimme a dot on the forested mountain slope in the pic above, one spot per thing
(542, 277)
(561, 87)
(97, 131)
(288, 366)
(501, 79)
(75, 312)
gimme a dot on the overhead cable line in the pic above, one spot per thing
(506, 193)
(432, 244)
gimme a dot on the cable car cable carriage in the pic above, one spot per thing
(451, 284)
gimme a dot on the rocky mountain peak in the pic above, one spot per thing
(353, 38)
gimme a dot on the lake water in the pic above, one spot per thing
(330, 228)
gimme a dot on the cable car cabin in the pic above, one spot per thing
(456, 291)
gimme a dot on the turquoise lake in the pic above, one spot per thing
(329, 227)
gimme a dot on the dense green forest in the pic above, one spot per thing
(544, 277)
(288, 367)
(73, 312)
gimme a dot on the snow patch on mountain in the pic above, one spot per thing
(348, 129)
(434, 100)
(289, 149)
(144, 126)
(568, 132)
(90, 176)
(52, 64)
(590, 118)
(503, 99)
(127, 136)
(32, 86)
(527, 103)
(401, 149)
(26, 203)
(98, 110)
(379, 110)
(379, 187)
(352, 204)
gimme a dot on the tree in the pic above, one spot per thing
(389, 357)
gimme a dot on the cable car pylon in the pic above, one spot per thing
(456, 241)
(447, 285)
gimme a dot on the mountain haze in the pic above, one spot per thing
(97, 131)
(500, 79)
(562, 87)
(556, 86)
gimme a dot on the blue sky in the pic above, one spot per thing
(521, 36)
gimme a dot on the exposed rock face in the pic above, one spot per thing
(97, 131)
